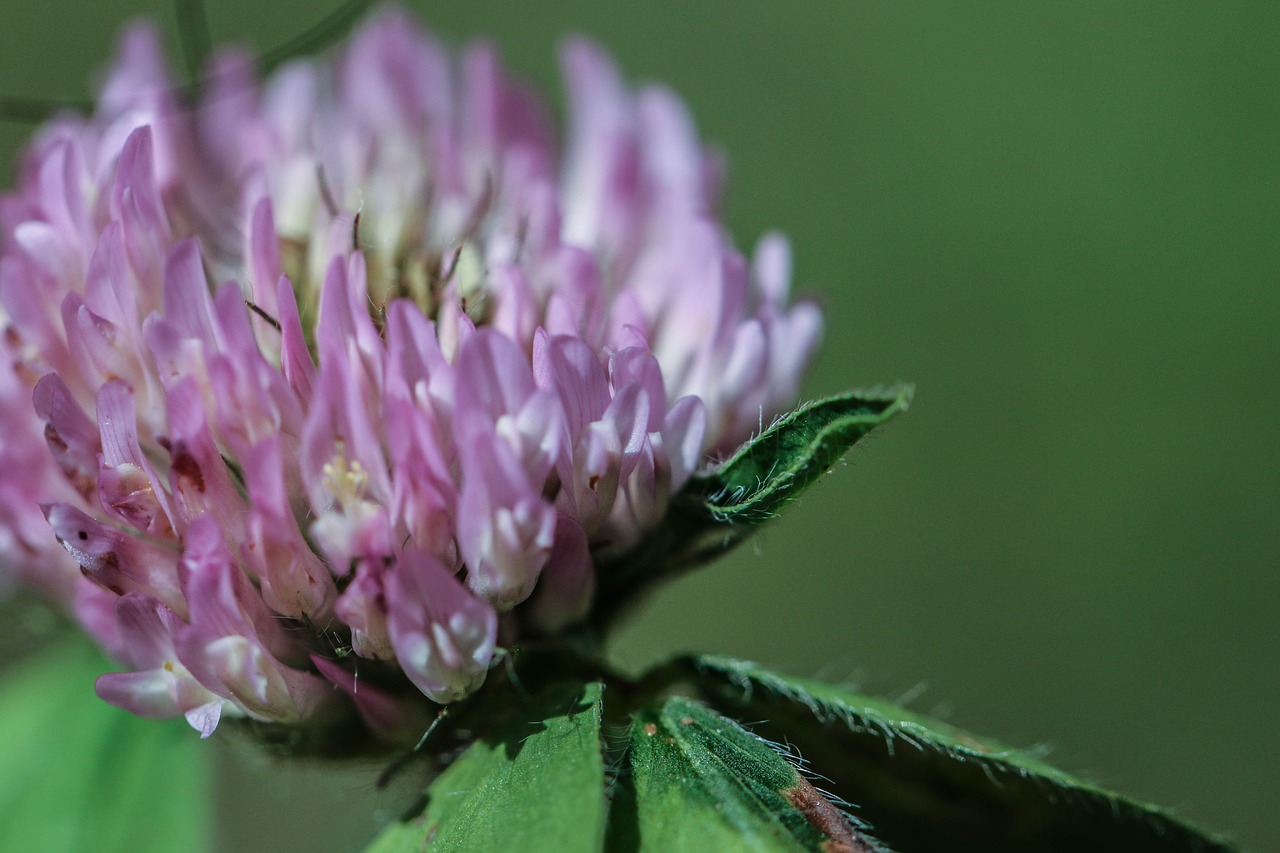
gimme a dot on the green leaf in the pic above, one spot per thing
(536, 785)
(923, 785)
(768, 472)
(78, 774)
(699, 781)
(721, 507)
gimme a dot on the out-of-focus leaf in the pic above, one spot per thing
(536, 785)
(78, 774)
(923, 785)
(720, 507)
(699, 782)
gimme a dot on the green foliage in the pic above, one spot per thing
(78, 774)
(771, 470)
(721, 507)
(699, 781)
(696, 764)
(924, 785)
(532, 786)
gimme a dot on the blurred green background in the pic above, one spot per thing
(1060, 221)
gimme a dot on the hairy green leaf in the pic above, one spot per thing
(699, 781)
(79, 774)
(535, 785)
(720, 507)
(769, 471)
(923, 785)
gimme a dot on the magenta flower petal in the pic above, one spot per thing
(389, 718)
(567, 584)
(363, 607)
(160, 686)
(637, 366)
(205, 718)
(147, 693)
(74, 442)
(359, 358)
(505, 528)
(234, 643)
(295, 360)
(443, 635)
(572, 369)
(294, 580)
(128, 486)
(682, 438)
(113, 559)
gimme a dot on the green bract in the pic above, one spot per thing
(721, 507)
(855, 774)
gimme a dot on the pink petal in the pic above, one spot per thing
(393, 720)
(443, 636)
(71, 436)
(567, 585)
(115, 560)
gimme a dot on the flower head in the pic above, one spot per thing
(362, 358)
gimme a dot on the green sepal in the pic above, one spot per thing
(536, 784)
(79, 774)
(923, 785)
(722, 506)
(699, 781)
